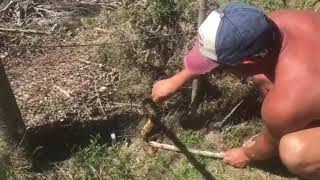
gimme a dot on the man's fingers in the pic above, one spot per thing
(155, 98)
(226, 159)
(158, 99)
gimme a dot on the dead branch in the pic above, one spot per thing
(51, 12)
(6, 4)
(23, 31)
(219, 155)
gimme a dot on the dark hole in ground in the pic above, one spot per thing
(192, 119)
(58, 140)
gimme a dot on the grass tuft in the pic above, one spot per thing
(96, 161)
(190, 137)
(235, 135)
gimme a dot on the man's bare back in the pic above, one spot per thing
(292, 98)
(298, 67)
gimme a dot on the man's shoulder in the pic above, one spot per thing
(285, 12)
(282, 13)
(292, 14)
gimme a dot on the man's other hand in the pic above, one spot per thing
(236, 157)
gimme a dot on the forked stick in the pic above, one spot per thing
(218, 155)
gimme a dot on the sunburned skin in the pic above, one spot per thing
(292, 96)
(289, 81)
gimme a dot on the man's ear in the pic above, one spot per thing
(248, 61)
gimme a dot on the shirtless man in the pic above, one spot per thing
(282, 52)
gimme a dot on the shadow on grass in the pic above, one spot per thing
(273, 166)
(177, 142)
(191, 158)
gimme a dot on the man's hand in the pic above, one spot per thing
(236, 157)
(163, 89)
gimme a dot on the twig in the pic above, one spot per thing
(87, 111)
(50, 12)
(63, 91)
(122, 105)
(126, 104)
(231, 112)
(98, 98)
(219, 155)
(23, 31)
(221, 123)
(5, 5)
(89, 62)
(101, 30)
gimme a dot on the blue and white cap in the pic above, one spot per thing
(228, 36)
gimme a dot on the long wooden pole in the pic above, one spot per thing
(201, 18)
(218, 155)
(202, 11)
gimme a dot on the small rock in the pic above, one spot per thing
(102, 89)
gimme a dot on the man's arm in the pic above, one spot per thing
(284, 110)
(164, 89)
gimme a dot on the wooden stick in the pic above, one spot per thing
(201, 18)
(219, 155)
(23, 31)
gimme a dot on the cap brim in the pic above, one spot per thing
(196, 63)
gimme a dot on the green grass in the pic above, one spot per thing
(96, 161)
(4, 169)
(14, 165)
(235, 135)
(185, 170)
(191, 137)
